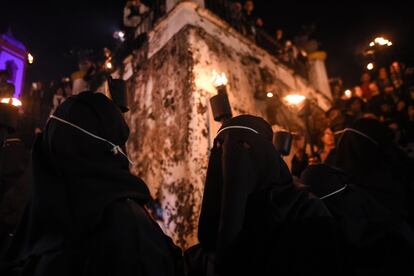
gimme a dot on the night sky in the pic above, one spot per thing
(51, 29)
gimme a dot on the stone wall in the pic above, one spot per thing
(168, 135)
(172, 128)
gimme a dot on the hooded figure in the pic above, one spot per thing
(86, 214)
(14, 186)
(367, 154)
(375, 241)
(253, 221)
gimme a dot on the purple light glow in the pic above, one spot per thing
(13, 58)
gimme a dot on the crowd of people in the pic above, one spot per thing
(86, 214)
(139, 16)
(41, 99)
(242, 17)
(388, 97)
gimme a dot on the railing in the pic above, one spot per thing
(233, 15)
(136, 37)
(156, 11)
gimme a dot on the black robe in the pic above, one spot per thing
(373, 162)
(86, 214)
(14, 187)
(253, 220)
(376, 242)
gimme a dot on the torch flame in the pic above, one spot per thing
(12, 101)
(294, 99)
(30, 58)
(381, 41)
(219, 79)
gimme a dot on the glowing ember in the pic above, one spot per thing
(370, 66)
(269, 94)
(348, 93)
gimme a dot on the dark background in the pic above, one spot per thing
(50, 29)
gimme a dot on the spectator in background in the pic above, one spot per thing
(259, 23)
(40, 105)
(249, 18)
(80, 78)
(134, 13)
(384, 82)
(58, 98)
(386, 111)
(236, 16)
(400, 113)
(325, 153)
(355, 108)
(383, 104)
(67, 89)
(397, 77)
(291, 53)
(396, 130)
(336, 119)
(327, 145)
(280, 43)
(338, 94)
(373, 86)
(374, 104)
(366, 86)
(300, 158)
(248, 10)
(259, 32)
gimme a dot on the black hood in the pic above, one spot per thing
(75, 176)
(324, 181)
(362, 148)
(243, 161)
(371, 160)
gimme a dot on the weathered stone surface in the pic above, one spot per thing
(172, 127)
(168, 132)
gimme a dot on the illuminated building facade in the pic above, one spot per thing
(13, 55)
